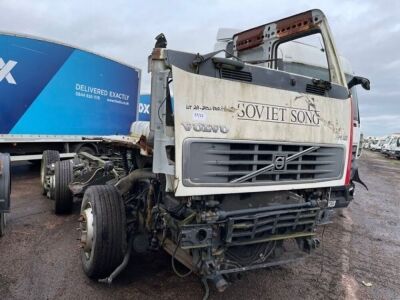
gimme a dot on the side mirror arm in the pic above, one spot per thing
(356, 80)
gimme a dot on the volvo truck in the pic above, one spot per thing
(235, 174)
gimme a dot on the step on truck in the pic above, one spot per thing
(55, 96)
(234, 173)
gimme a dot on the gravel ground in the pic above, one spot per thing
(39, 256)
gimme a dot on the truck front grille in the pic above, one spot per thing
(222, 163)
(253, 228)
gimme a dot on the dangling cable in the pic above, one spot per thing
(173, 261)
(206, 288)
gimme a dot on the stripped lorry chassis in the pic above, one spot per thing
(220, 192)
(66, 180)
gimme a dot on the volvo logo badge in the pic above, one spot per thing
(200, 127)
(280, 162)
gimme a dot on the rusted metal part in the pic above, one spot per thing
(250, 38)
(277, 237)
(284, 28)
(1, 168)
(132, 142)
(294, 25)
(144, 147)
(157, 54)
(295, 259)
(117, 140)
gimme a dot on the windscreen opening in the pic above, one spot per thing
(304, 56)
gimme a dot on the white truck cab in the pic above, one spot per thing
(376, 143)
(394, 146)
(307, 57)
(253, 152)
(386, 144)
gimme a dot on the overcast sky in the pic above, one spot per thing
(366, 32)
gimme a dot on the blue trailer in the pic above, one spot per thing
(143, 110)
(55, 96)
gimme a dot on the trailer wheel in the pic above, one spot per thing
(2, 224)
(103, 231)
(63, 173)
(5, 189)
(48, 157)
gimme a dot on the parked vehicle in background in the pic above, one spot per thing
(55, 97)
(394, 146)
(376, 145)
(386, 145)
(368, 141)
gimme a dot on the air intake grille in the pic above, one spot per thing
(313, 89)
(236, 75)
(241, 230)
(231, 163)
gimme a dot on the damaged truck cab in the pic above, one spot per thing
(244, 158)
(254, 154)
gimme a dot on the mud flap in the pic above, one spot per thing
(356, 178)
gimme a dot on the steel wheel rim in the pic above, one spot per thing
(87, 230)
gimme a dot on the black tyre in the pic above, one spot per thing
(48, 157)
(2, 224)
(63, 173)
(103, 225)
(5, 189)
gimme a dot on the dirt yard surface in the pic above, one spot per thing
(359, 256)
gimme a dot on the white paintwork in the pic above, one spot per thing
(42, 138)
(37, 157)
(191, 90)
(301, 53)
(390, 143)
(376, 143)
(139, 128)
(28, 138)
(226, 34)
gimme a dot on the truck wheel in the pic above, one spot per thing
(103, 231)
(5, 189)
(2, 224)
(48, 157)
(63, 173)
